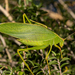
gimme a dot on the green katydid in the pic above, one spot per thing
(37, 35)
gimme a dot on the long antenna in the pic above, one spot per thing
(69, 35)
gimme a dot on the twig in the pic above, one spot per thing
(6, 14)
(66, 7)
(25, 3)
(4, 44)
(13, 2)
(59, 66)
(43, 71)
(53, 15)
(3, 41)
(7, 6)
(3, 60)
(9, 56)
(17, 42)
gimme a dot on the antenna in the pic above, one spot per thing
(69, 35)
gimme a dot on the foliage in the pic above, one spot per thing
(36, 59)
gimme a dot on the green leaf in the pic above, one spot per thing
(68, 72)
(39, 73)
(64, 59)
(26, 69)
(52, 62)
(54, 53)
(35, 66)
(54, 71)
(31, 62)
(35, 70)
(21, 73)
(64, 64)
(52, 58)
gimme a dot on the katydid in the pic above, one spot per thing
(37, 35)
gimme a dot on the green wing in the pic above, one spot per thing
(27, 31)
(31, 34)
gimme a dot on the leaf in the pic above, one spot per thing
(64, 64)
(68, 72)
(31, 62)
(52, 58)
(54, 53)
(39, 73)
(64, 59)
(54, 71)
(26, 69)
(37, 64)
(21, 73)
(35, 70)
(53, 62)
